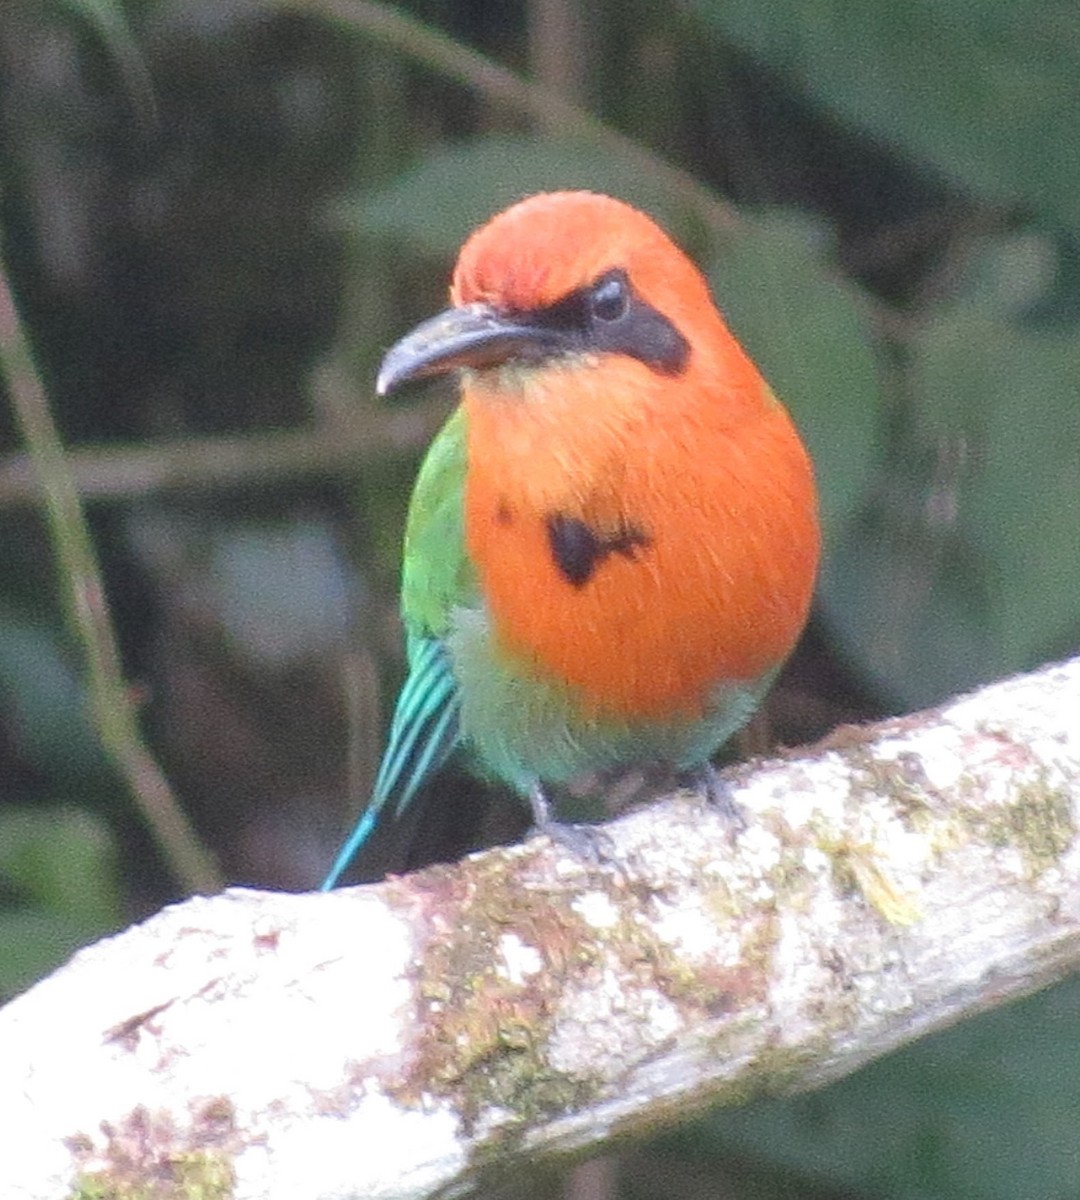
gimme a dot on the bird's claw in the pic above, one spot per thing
(718, 795)
(589, 844)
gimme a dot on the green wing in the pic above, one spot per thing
(436, 578)
(436, 575)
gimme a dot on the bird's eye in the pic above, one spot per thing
(610, 298)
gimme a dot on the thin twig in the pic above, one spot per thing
(83, 594)
(397, 31)
(103, 473)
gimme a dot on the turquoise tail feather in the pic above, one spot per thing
(360, 834)
(424, 733)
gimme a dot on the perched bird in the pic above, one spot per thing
(612, 543)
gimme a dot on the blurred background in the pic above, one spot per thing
(216, 214)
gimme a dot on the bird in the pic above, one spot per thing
(612, 544)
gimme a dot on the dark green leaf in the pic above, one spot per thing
(805, 328)
(452, 190)
(109, 22)
(48, 701)
(964, 564)
(59, 866)
(34, 942)
(62, 861)
(986, 91)
(986, 1111)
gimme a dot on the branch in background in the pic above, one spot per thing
(386, 1041)
(395, 30)
(83, 594)
(216, 463)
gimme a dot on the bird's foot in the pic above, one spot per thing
(589, 844)
(719, 797)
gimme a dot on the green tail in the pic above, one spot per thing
(424, 733)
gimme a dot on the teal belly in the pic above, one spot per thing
(525, 729)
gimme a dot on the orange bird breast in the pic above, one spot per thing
(641, 537)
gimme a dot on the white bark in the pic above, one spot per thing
(387, 1041)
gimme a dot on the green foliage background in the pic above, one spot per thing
(216, 216)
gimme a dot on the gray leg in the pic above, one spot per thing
(541, 807)
(589, 843)
(719, 796)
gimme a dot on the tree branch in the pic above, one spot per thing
(199, 465)
(388, 1041)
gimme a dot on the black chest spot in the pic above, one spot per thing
(578, 549)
